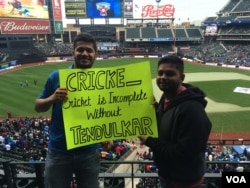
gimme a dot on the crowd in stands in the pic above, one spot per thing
(237, 54)
(26, 139)
(226, 154)
(119, 149)
(214, 153)
(55, 48)
(147, 168)
(213, 52)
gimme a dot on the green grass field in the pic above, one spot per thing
(20, 101)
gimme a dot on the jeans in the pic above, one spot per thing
(59, 170)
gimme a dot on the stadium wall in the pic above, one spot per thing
(14, 64)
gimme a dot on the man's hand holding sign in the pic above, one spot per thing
(107, 104)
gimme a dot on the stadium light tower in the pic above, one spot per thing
(175, 49)
(157, 19)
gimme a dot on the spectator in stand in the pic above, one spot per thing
(218, 148)
(61, 163)
(118, 150)
(228, 168)
(183, 126)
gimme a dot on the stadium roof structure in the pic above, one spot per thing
(236, 12)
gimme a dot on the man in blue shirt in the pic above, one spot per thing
(61, 163)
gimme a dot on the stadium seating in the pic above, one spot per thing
(133, 33)
(165, 33)
(193, 32)
(180, 33)
(148, 32)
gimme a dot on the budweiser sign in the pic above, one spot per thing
(159, 11)
(24, 26)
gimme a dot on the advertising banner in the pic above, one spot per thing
(24, 26)
(24, 17)
(58, 27)
(57, 9)
(33, 9)
(147, 9)
(128, 9)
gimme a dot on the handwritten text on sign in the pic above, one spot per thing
(108, 104)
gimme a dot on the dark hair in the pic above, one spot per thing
(174, 60)
(85, 37)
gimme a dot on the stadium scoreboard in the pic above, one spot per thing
(75, 9)
(135, 9)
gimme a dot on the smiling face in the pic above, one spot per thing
(169, 79)
(84, 54)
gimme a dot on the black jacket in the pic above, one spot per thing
(184, 128)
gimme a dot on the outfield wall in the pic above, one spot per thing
(10, 65)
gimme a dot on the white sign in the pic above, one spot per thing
(242, 90)
(152, 9)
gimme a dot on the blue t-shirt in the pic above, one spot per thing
(57, 139)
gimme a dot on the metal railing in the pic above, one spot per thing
(123, 170)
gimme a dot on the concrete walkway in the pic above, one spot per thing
(127, 168)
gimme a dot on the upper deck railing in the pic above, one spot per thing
(120, 171)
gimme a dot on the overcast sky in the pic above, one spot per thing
(196, 9)
(192, 10)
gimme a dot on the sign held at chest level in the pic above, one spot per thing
(107, 104)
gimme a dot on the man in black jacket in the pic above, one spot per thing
(183, 126)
